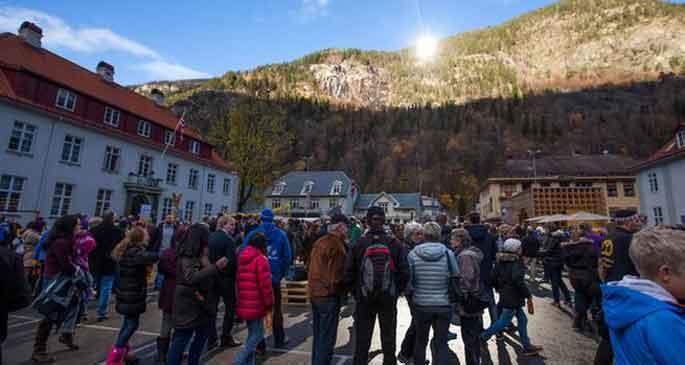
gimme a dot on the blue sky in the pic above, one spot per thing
(150, 40)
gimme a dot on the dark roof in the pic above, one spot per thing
(405, 200)
(579, 165)
(323, 183)
(665, 153)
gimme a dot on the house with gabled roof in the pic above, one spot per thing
(399, 207)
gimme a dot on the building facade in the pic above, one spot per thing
(311, 194)
(399, 207)
(77, 142)
(601, 184)
(662, 176)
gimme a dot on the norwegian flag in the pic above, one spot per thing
(180, 126)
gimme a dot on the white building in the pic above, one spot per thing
(662, 178)
(75, 141)
(311, 193)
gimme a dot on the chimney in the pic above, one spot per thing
(105, 70)
(31, 33)
(157, 96)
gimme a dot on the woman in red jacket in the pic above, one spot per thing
(255, 296)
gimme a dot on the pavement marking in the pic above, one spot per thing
(113, 329)
(23, 323)
(307, 353)
(136, 350)
(22, 317)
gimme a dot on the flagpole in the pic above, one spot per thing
(166, 147)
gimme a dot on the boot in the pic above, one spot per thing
(579, 323)
(40, 347)
(116, 356)
(162, 349)
(129, 357)
(229, 341)
(67, 339)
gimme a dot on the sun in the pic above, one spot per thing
(426, 47)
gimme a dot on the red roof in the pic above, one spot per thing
(667, 152)
(19, 55)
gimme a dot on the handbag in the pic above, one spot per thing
(456, 295)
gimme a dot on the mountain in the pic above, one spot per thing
(579, 76)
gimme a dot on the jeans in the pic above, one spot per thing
(471, 328)
(278, 331)
(439, 319)
(105, 290)
(159, 280)
(558, 283)
(227, 294)
(255, 334)
(326, 314)
(180, 341)
(407, 346)
(492, 305)
(128, 328)
(505, 320)
(365, 315)
(167, 325)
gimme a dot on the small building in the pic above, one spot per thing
(311, 193)
(431, 207)
(399, 207)
(601, 184)
(662, 178)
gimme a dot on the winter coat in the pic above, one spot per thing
(530, 246)
(278, 249)
(646, 323)
(222, 245)
(486, 243)
(83, 246)
(195, 298)
(327, 267)
(508, 278)
(60, 257)
(130, 286)
(468, 261)
(253, 281)
(157, 235)
(167, 267)
(107, 236)
(551, 250)
(431, 265)
(30, 239)
(615, 258)
(14, 288)
(581, 259)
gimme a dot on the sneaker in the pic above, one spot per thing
(532, 350)
(101, 319)
(556, 304)
(405, 359)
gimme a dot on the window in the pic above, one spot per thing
(192, 179)
(337, 188)
(278, 188)
(103, 202)
(612, 190)
(314, 204)
(111, 116)
(629, 189)
(169, 138)
(294, 203)
(21, 139)
(307, 187)
(653, 182)
(195, 147)
(112, 156)
(71, 150)
(384, 205)
(10, 192)
(61, 200)
(210, 183)
(144, 128)
(224, 209)
(208, 210)
(275, 203)
(188, 214)
(227, 187)
(171, 174)
(167, 206)
(145, 166)
(680, 139)
(583, 184)
(66, 100)
(658, 216)
(333, 202)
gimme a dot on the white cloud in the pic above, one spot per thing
(310, 9)
(58, 34)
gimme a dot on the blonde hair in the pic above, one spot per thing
(223, 220)
(653, 247)
(137, 236)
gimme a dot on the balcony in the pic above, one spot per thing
(143, 184)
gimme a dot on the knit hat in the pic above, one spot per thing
(375, 211)
(267, 216)
(511, 245)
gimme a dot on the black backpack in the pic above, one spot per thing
(15, 289)
(377, 270)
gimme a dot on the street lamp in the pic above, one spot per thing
(534, 154)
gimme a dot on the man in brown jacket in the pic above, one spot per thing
(326, 268)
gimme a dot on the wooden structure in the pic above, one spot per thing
(295, 293)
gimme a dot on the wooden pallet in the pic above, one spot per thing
(295, 293)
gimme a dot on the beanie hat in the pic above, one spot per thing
(267, 216)
(512, 245)
(375, 211)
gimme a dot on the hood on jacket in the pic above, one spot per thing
(430, 251)
(478, 232)
(267, 216)
(507, 257)
(248, 254)
(631, 299)
(473, 251)
(582, 240)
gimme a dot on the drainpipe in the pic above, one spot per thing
(43, 174)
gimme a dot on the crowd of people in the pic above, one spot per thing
(630, 280)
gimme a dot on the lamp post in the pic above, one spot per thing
(534, 154)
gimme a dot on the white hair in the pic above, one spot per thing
(653, 247)
(431, 232)
(411, 228)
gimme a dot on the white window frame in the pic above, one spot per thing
(11, 192)
(188, 211)
(72, 147)
(224, 209)
(314, 204)
(112, 159)
(294, 203)
(278, 188)
(208, 209)
(333, 202)
(307, 187)
(103, 202)
(384, 205)
(167, 206)
(337, 188)
(144, 128)
(211, 182)
(658, 216)
(23, 134)
(193, 178)
(653, 182)
(145, 165)
(680, 138)
(111, 117)
(615, 189)
(169, 138)
(275, 203)
(171, 174)
(625, 191)
(61, 199)
(227, 187)
(194, 147)
(66, 100)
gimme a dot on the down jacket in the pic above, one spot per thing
(131, 282)
(508, 278)
(429, 268)
(255, 295)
